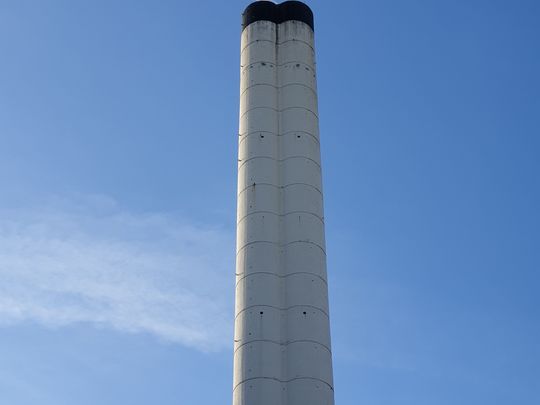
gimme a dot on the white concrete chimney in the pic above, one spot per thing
(282, 352)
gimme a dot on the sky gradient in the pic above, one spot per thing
(118, 138)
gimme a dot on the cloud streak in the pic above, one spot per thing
(92, 262)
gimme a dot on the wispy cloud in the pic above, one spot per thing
(93, 262)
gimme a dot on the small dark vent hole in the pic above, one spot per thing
(261, 312)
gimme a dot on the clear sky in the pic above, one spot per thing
(118, 137)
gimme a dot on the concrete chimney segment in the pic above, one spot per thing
(282, 349)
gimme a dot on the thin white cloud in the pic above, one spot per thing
(95, 263)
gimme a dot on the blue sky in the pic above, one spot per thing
(118, 131)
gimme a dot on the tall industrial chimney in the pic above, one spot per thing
(282, 350)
